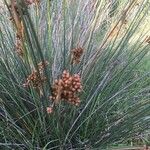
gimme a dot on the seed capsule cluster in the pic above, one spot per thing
(76, 55)
(49, 110)
(67, 88)
(36, 79)
(17, 22)
(19, 46)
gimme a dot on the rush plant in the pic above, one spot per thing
(69, 73)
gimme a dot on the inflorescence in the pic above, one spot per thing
(18, 24)
(76, 54)
(66, 88)
(36, 79)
